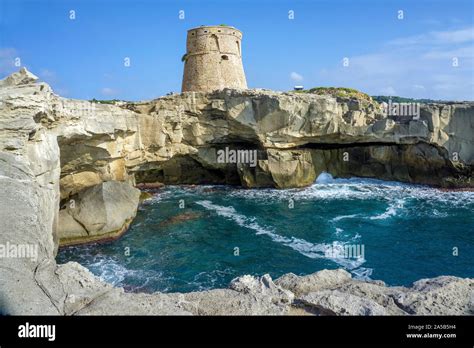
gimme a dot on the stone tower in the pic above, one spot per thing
(213, 59)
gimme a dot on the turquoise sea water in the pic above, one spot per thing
(406, 233)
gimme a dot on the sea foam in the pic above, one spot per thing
(302, 246)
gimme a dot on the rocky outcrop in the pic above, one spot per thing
(281, 169)
(54, 149)
(336, 293)
(175, 139)
(99, 212)
(22, 77)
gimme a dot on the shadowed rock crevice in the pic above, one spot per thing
(186, 170)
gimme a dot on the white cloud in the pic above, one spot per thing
(7, 60)
(107, 91)
(296, 77)
(431, 21)
(48, 76)
(461, 52)
(62, 91)
(456, 36)
(45, 74)
(437, 37)
(410, 40)
(419, 66)
(388, 91)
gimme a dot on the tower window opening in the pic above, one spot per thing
(225, 57)
(213, 43)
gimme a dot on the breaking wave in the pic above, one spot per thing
(302, 246)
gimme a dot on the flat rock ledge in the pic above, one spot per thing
(73, 290)
(54, 149)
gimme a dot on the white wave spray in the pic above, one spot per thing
(302, 246)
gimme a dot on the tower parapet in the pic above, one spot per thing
(213, 59)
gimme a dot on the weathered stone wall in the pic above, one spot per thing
(213, 59)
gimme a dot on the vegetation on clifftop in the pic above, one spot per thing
(395, 99)
(344, 92)
(339, 92)
(110, 101)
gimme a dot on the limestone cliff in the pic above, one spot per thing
(174, 139)
(53, 149)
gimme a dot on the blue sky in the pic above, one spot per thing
(84, 58)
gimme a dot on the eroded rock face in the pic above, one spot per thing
(321, 280)
(174, 139)
(53, 148)
(334, 292)
(449, 295)
(98, 212)
(263, 286)
(22, 77)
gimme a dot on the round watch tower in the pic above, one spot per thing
(213, 59)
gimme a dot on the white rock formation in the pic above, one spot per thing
(52, 148)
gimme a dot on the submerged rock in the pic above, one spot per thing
(176, 219)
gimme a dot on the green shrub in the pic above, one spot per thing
(395, 99)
